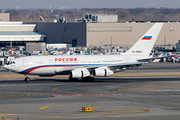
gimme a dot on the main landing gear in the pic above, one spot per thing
(27, 79)
(91, 79)
(73, 79)
(83, 79)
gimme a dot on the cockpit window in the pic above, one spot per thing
(10, 62)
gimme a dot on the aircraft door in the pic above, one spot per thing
(50, 62)
(25, 63)
(127, 60)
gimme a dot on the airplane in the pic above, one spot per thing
(85, 66)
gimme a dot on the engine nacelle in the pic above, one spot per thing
(79, 73)
(102, 72)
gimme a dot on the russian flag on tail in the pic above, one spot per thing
(146, 38)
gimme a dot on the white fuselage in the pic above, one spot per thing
(53, 65)
(82, 66)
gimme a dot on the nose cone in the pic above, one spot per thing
(6, 67)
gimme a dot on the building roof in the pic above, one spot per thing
(21, 33)
(21, 36)
(11, 23)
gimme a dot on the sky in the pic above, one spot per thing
(78, 4)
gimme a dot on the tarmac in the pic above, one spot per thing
(127, 97)
(146, 70)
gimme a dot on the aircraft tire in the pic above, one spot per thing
(73, 79)
(70, 79)
(88, 79)
(27, 79)
(85, 79)
(91, 79)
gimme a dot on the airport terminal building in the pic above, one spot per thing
(103, 34)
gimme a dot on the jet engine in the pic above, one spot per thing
(102, 72)
(79, 73)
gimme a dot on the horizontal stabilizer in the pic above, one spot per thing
(146, 59)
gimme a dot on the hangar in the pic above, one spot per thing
(84, 34)
(102, 34)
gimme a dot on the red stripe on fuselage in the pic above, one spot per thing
(48, 66)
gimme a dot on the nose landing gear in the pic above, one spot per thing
(27, 79)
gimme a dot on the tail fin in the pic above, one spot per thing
(145, 44)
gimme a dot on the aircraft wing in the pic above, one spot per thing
(110, 66)
(124, 65)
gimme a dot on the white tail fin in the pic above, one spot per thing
(145, 44)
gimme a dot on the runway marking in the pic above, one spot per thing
(10, 114)
(86, 94)
(125, 109)
(172, 84)
(7, 119)
(44, 107)
(160, 86)
(14, 89)
(142, 88)
(142, 100)
(54, 89)
(50, 116)
(70, 95)
(105, 112)
(13, 96)
(86, 115)
(128, 90)
(118, 112)
(137, 88)
(114, 112)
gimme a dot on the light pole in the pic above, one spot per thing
(111, 42)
